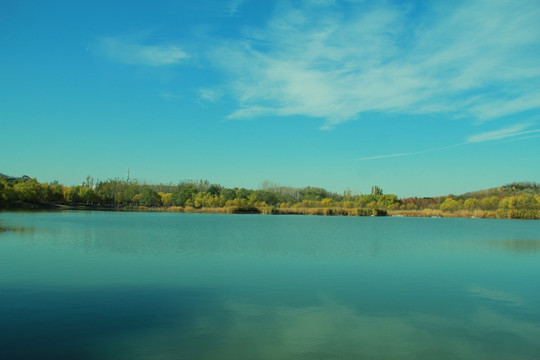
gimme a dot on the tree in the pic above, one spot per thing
(267, 196)
(449, 205)
(165, 198)
(149, 197)
(228, 194)
(179, 198)
(71, 195)
(198, 200)
(348, 204)
(29, 191)
(471, 204)
(490, 203)
(361, 201)
(326, 202)
(526, 202)
(56, 192)
(386, 201)
(7, 194)
(87, 195)
(214, 190)
(313, 193)
(242, 193)
(127, 192)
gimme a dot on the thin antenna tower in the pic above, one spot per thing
(128, 176)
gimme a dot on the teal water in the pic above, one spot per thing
(113, 285)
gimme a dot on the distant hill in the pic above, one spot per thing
(12, 178)
(512, 189)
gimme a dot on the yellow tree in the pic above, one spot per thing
(326, 202)
(471, 204)
(165, 198)
(449, 205)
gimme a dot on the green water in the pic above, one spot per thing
(112, 285)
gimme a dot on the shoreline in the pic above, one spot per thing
(269, 210)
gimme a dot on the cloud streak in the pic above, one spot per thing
(508, 132)
(377, 157)
(513, 132)
(132, 53)
(233, 7)
(209, 95)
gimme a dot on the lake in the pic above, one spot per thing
(121, 285)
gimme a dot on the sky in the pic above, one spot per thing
(421, 98)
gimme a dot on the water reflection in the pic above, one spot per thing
(45, 323)
(329, 330)
(209, 235)
(16, 229)
(517, 245)
(142, 323)
(497, 295)
(180, 286)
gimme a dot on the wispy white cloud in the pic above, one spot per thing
(376, 157)
(327, 127)
(525, 137)
(385, 156)
(233, 7)
(210, 95)
(494, 109)
(478, 60)
(340, 60)
(508, 132)
(129, 52)
(213, 8)
(250, 112)
(169, 96)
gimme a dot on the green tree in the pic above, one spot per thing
(29, 191)
(228, 194)
(87, 195)
(313, 193)
(108, 191)
(490, 203)
(180, 197)
(71, 195)
(214, 189)
(7, 194)
(56, 192)
(126, 192)
(386, 201)
(242, 193)
(267, 196)
(149, 197)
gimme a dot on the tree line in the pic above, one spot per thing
(518, 200)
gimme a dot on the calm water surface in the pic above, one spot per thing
(108, 285)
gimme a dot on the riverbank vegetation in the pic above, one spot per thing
(513, 201)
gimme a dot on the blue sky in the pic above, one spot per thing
(418, 97)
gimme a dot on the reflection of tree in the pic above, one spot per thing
(15, 229)
(520, 245)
